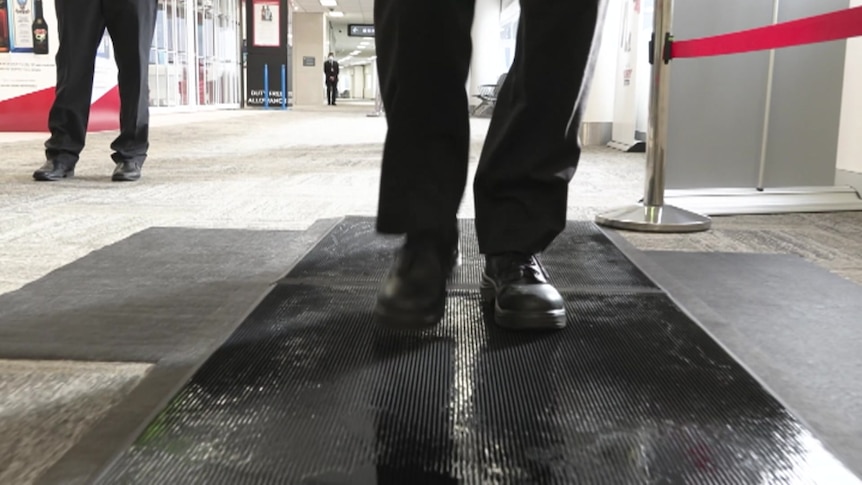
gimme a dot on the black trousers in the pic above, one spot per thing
(331, 92)
(80, 26)
(531, 150)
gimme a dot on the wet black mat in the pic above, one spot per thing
(309, 390)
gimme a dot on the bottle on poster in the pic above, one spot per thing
(22, 22)
(39, 30)
(4, 26)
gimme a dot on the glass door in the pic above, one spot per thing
(228, 33)
(168, 56)
(217, 52)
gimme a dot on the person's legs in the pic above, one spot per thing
(425, 155)
(530, 155)
(80, 27)
(131, 24)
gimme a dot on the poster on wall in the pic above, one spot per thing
(28, 73)
(267, 31)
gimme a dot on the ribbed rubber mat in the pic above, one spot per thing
(580, 258)
(309, 390)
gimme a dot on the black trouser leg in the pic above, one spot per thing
(422, 78)
(331, 93)
(80, 27)
(532, 150)
(131, 24)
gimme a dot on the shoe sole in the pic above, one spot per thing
(519, 320)
(125, 179)
(42, 177)
(405, 320)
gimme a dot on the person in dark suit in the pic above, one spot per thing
(80, 26)
(530, 154)
(330, 70)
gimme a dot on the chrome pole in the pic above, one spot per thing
(770, 76)
(652, 215)
(658, 107)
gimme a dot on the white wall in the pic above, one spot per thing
(487, 63)
(850, 131)
(310, 38)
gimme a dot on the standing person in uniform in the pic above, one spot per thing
(530, 154)
(330, 69)
(80, 26)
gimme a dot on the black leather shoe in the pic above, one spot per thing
(523, 299)
(413, 295)
(53, 170)
(127, 171)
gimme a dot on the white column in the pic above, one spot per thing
(358, 82)
(600, 103)
(487, 63)
(849, 141)
(627, 50)
(309, 40)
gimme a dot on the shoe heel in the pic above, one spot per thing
(407, 320)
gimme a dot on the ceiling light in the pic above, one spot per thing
(354, 53)
(329, 3)
(336, 13)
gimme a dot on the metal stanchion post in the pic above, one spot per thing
(770, 76)
(266, 86)
(653, 215)
(283, 87)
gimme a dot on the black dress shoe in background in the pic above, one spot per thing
(523, 299)
(127, 171)
(413, 295)
(53, 170)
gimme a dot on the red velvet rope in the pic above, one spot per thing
(821, 28)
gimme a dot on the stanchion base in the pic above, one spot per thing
(774, 200)
(654, 219)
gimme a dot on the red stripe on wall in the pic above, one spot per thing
(29, 113)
